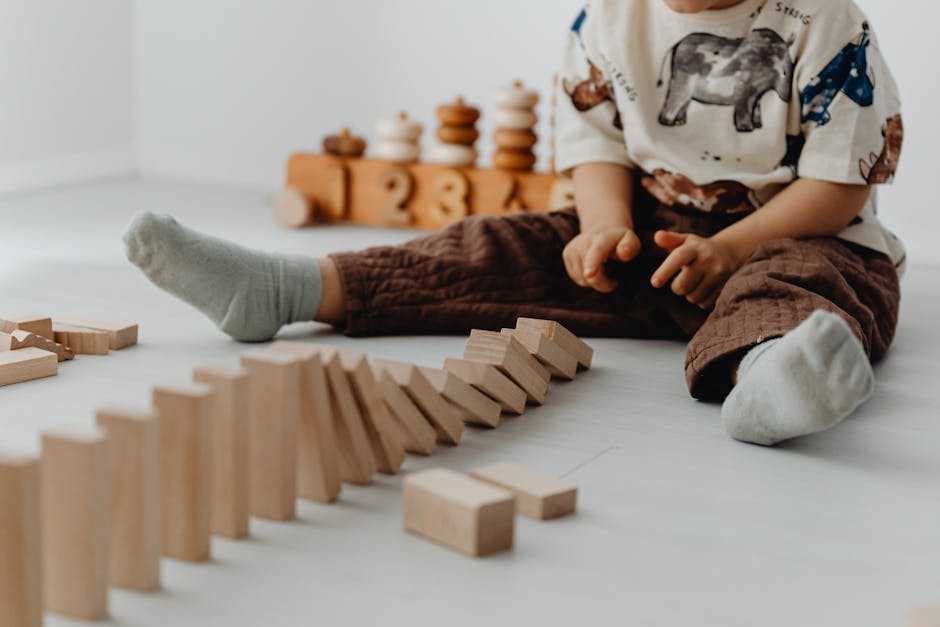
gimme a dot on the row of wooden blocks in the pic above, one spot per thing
(31, 347)
(102, 505)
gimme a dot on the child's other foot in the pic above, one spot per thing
(247, 294)
(805, 382)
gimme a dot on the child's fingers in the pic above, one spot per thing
(599, 252)
(669, 240)
(574, 268)
(628, 247)
(699, 296)
(682, 256)
(689, 280)
(602, 283)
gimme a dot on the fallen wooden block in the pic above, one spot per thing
(120, 334)
(80, 340)
(74, 488)
(417, 434)
(40, 325)
(559, 362)
(508, 356)
(26, 364)
(318, 477)
(134, 478)
(459, 512)
(274, 392)
(185, 419)
(473, 406)
(538, 495)
(924, 617)
(565, 338)
(387, 449)
(231, 423)
(18, 339)
(20, 567)
(437, 411)
(490, 381)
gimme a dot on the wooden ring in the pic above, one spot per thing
(514, 160)
(458, 113)
(515, 97)
(343, 144)
(454, 155)
(465, 135)
(399, 129)
(397, 151)
(514, 119)
(514, 140)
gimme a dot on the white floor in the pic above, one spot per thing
(678, 525)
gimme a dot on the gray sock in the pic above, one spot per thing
(247, 294)
(807, 381)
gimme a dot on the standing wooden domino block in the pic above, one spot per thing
(120, 334)
(559, 362)
(472, 405)
(565, 338)
(490, 381)
(134, 443)
(185, 419)
(75, 532)
(924, 617)
(538, 495)
(231, 404)
(317, 463)
(274, 390)
(40, 325)
(26, 364)
(442, 416)
(82, 341)
(459, 512)
(417, 434)
(508, 356)
(20, 574)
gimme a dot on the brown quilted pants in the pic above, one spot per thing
(484, 272)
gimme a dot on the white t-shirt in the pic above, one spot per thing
(722, 109)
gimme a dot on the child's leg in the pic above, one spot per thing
(819, 371)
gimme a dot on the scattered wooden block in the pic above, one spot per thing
(274, 391)
(120, 334)
(231, 424)
(40, 325)
(20, 574)
(459, 512)
(18, 339)
(490, 381)
(82, 341)
(387, 448)
(417, 434)
(538, 495)
(185, 419)
(559, 362)
(473, 406)
(924, 617)
(26, 364)
(438, 412)
(74, 511)
(134, 476)
(509, 357)
(318, 476)
(565, 338)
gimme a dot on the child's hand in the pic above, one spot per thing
(586, 254)
(704, 266)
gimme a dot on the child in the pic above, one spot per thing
(723, 153)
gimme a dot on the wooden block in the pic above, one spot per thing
(231, 424)
(490, 381)
(417, 434)
(82, 341)
(185, 417)
(120, 334)
(18, 339)
(26, 364)
(538, 495)
(459, 512)
(924, 617)
(318, 477)
(74, 487)
(473, 406)
(509, 357)
(134, 475)
(274, 392)
(438, 412)
(565, 338)
(292, 209)
(40, 325)
(323, 181)
(20, 567)
(559, 362)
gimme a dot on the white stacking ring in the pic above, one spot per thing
(397, 129)
(515, 98)
(514, 119)
(454, 155)
(397, 151)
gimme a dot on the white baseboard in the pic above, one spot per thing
(67, 169)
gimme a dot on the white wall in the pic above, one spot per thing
(65, 91)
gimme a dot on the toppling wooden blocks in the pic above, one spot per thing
(26, 364)
(20, 578)
(559, 362)
(417, 434)
(924, 617)
(437, 411)
(18, 339)
(120, 334)
(40, 325)
(490, 381)
(508, 356)
(459, 512)
(565, 338)
(472, 405)
(537, 495)
(80, 340)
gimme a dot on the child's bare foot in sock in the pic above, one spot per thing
(805, 382)
(247, 294)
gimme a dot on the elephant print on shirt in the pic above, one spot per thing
(671, 189)
(847, 72)
(589, 93)
(881, 168)
(716, 70)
